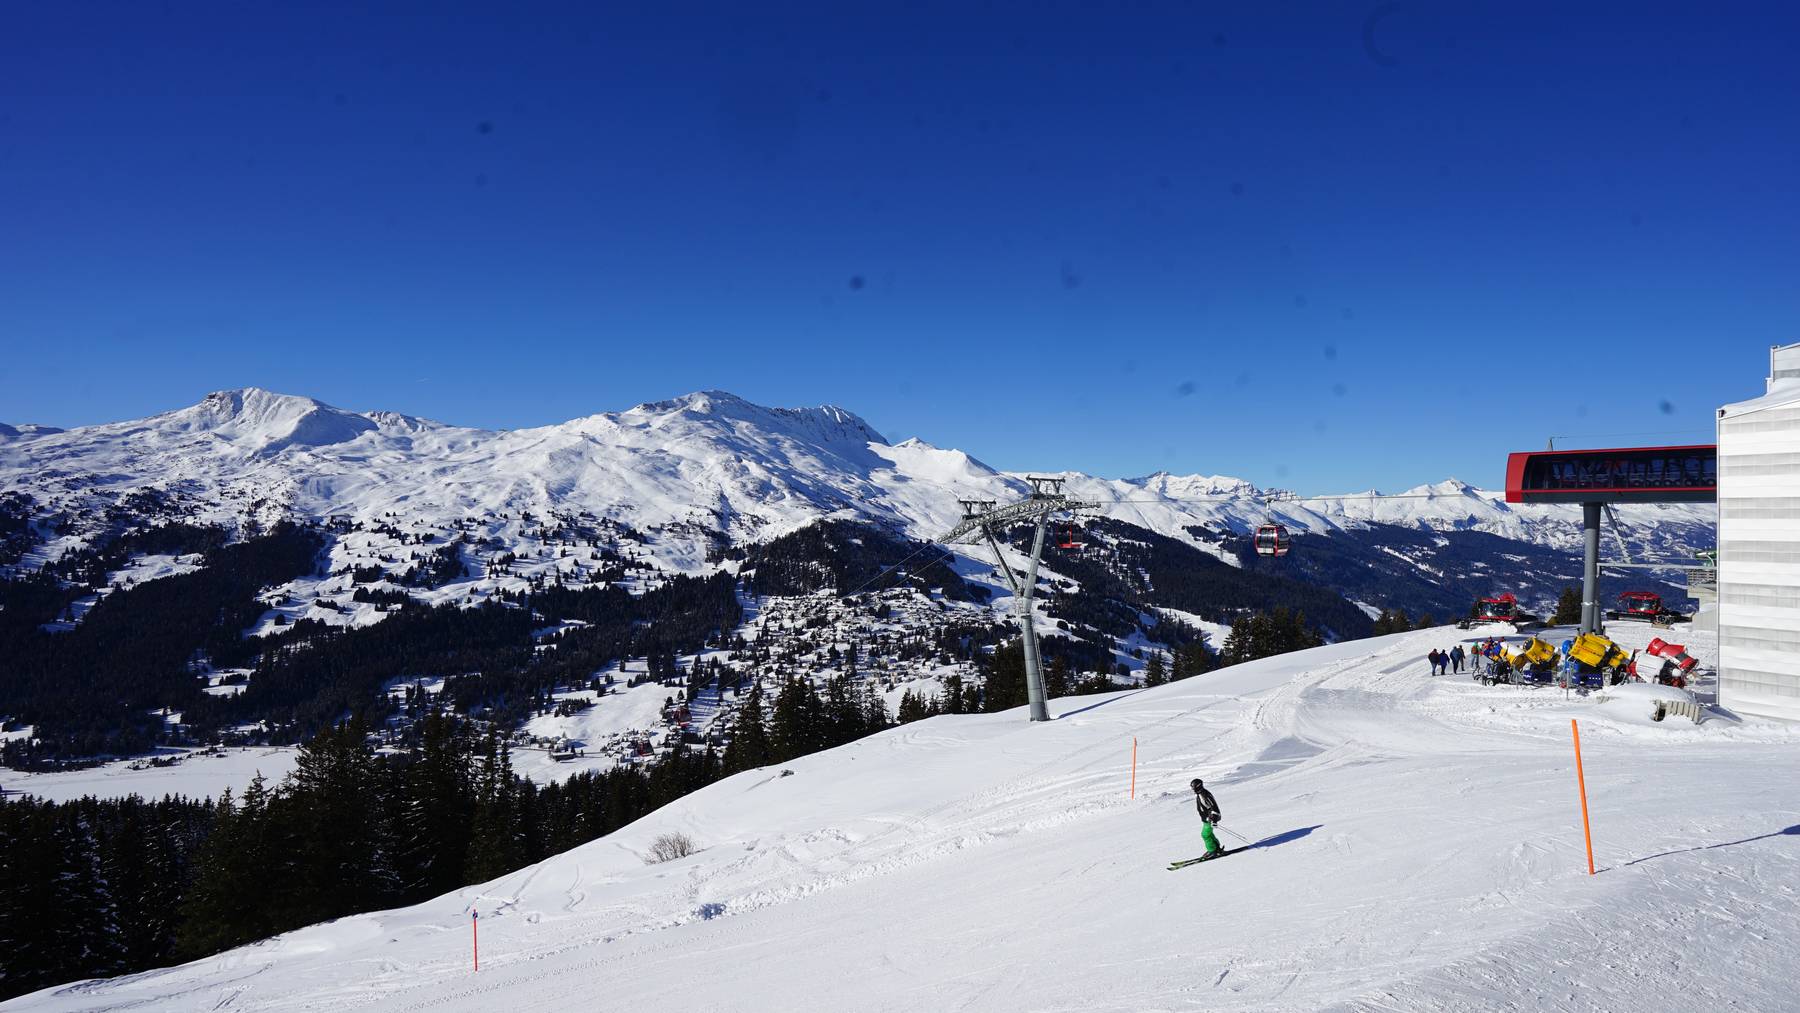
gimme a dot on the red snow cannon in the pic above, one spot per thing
(1673, 652)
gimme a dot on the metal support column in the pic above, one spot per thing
(980, 518)
(1034, 666)
(1590, 568)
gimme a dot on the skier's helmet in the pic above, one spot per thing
(1194, 784)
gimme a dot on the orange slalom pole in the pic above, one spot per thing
(475, 936)
(1581, 781)
(1134, 766)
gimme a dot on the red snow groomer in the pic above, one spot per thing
(1645, 605)
(1678, 665)
(1502, 608)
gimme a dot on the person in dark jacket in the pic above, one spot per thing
(1434, 659)
(1209, 814)
(1456, 658)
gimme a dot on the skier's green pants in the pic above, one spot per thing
(1206, 834)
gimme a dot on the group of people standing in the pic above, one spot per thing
(1445, 662)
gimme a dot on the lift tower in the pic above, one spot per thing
(980, 518)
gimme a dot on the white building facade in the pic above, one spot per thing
(1759, 546)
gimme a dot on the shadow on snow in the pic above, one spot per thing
(1793, 831)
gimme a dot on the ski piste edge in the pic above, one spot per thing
(1204, 858)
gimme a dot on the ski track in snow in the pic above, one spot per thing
(1415, 845)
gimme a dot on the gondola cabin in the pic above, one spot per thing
(1272, 540)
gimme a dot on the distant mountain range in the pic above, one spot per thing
(234, 569)
(693, 468)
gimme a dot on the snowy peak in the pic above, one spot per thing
(825, 423)
(264, 422)
(1447, 488)
(25, 432)
(395, 422)
(1176, 486)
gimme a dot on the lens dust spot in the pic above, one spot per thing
(856, 282)
(484, 127)
(1186, 388)
(1666, 407)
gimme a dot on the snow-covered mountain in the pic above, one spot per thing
(692, 468)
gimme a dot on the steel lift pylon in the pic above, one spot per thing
(980, 518)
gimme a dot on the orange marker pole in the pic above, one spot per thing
(1581, 781)
(1134, 766)
(475, 936)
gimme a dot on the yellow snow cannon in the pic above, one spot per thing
(1535, 652)
(1598, 653)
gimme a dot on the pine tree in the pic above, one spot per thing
(912, 708)
(953, 693)
(437, 809)
(874, 709)
(1005, 687)
(796, 724)
(750, 746)
(1155, 674)
(332, 806)
(1568, 607)
(1056, 677)
(494, 845)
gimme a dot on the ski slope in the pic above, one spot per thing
(1416, 846)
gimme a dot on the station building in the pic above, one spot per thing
(1759, 546)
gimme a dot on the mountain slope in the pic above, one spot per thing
(412, 512)
(709, 462)
(1415, 844)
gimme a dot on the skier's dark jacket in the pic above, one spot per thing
(1207, 805)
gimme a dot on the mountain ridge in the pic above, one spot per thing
(709, 457)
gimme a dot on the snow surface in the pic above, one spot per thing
(196, 775)
(1417, 845)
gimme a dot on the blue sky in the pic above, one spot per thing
(1324, 246)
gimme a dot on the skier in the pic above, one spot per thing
(1208, 808)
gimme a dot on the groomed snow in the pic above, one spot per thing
(1417, 847)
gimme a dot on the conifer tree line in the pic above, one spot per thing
(1397, 621)
(100, 887)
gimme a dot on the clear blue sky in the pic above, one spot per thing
(1327, 246)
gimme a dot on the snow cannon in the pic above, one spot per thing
(1535, 652)
(1597, 653)
(1676, 653)
(1678, 665)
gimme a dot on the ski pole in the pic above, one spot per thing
(1221, 826)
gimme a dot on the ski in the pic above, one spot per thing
(1203, 858)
